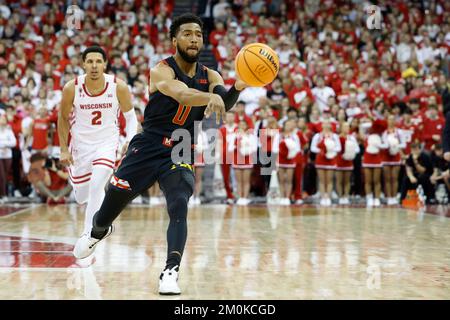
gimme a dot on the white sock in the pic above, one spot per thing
(99, 179)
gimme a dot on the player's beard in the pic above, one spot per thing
(186, 57)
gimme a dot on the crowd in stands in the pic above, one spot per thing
(354, 111)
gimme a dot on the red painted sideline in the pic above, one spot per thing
(18, 252)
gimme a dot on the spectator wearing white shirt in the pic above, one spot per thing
(426, 52)
(322, 93)
(7, 141)
(404, 49)
(251, 96)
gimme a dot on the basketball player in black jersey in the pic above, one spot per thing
(181, 91)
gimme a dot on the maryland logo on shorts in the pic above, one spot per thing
(120, 183)
(182, 165)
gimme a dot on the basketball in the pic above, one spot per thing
(257, 64)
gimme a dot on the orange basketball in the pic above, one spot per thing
(257, 64)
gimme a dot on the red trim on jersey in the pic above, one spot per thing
(79, 177)
(79, 182)
(76, 80)
(102, 159)
(97, 95)
(103, 164)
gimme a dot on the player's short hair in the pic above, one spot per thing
(94, 49)
(183, 19)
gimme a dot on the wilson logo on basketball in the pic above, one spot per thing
(270, 58)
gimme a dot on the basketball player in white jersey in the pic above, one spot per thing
(90, 107)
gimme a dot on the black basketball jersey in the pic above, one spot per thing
(163, 114)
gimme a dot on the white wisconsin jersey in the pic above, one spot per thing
(95, 117)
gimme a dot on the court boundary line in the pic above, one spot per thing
(32, 206)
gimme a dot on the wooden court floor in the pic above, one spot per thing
(254, 252)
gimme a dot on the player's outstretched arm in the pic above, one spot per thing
(65, 109)
(126, 106)
(217, 86)
(162, 78)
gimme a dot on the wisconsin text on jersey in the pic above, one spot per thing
(96, 106)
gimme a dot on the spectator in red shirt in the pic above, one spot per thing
(38, 131)
(299, 91)
(241, 115)
(432, 127)
(217, 34)
(49, 179)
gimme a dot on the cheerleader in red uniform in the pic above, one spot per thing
(289, 147)
(373, 163)
(409, 131)
(199, 165)
(350, 148)
(326, 145)
(226, 137)
(304, 137)
(245, 147)
(392, 160)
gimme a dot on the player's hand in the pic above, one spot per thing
(125, 147)
(66, 158)
(413, 180)
(436, 137)
(240, 85)
(216, 105)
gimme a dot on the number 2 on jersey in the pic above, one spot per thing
(97, 119)
(181, 115)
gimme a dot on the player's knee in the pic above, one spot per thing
(177, 207)
(81, 194)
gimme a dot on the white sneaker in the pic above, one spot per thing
(376, 202)
(329, 203)
(240, 202)
(137, 200)
(299, 201)
(85, 245)
(168, 282)
(370, 202)
(323, 202)
(285, 202)
(197, 201)
(342, 201)
(230, 201)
